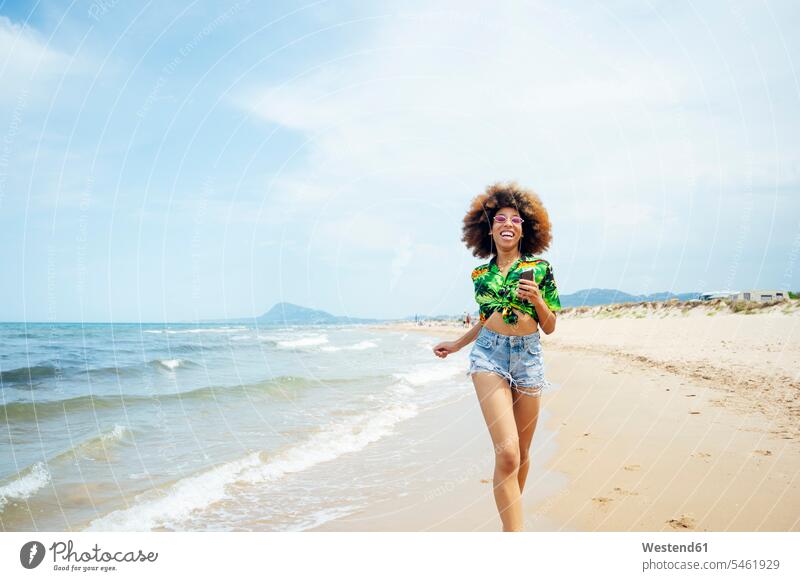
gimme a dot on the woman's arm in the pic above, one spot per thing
(445, 348)
(469, 336)
(529, 291)
(547, 318)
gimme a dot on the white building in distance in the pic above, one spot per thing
(761, 296)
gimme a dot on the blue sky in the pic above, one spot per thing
(167, 161)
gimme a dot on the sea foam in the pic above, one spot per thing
(198, 492)
(355, 347)
(171, 364)
(185, 331)
(311, 341)
(23, 487)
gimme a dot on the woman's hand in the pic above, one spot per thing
(529, 291)
(445, 348)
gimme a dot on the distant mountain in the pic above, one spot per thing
(602, 296)
(291, 314)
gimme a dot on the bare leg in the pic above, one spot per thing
(526, 414)
(496, 402)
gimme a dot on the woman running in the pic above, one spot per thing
(516, 295)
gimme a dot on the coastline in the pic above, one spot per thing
(676, 422)
(453, 492)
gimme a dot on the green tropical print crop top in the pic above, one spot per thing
(495, 292)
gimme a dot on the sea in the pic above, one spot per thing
(176, 427)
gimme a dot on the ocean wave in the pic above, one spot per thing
(198, 492)
(36, 411)
(25, 485)
(311, 341)
(28, 374)
(355, 347)
(100, 447)
(279, 387)
(183, 498)
(192, 348)
(193, 331)
(115, 434)
(430, 385)
(38, 373)
(431, 373)
(97, 446)
(128, 370)
(35, 477)
(169, 364)
(108, 372)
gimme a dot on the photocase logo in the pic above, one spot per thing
(31, 554)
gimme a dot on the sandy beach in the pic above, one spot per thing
(666, 418)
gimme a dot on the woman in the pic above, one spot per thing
(510, 224)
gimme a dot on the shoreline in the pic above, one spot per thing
(660, 425)
(453, 493)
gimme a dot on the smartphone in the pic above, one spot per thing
(526, 275)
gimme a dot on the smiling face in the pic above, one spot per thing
(506, 235)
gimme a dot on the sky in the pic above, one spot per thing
(196, 160)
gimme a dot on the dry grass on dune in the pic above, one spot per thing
(682, 308)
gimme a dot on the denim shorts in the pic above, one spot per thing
(518, 359)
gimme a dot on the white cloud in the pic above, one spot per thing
(27, 58)
(394, 238)
(372, 233)
(624, 130)
(526, 104)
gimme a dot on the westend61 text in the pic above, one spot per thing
(64, 550)
(670, 548)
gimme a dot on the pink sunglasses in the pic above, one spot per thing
(502, 219)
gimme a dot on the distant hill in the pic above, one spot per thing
(291, 314)
(603, 296)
